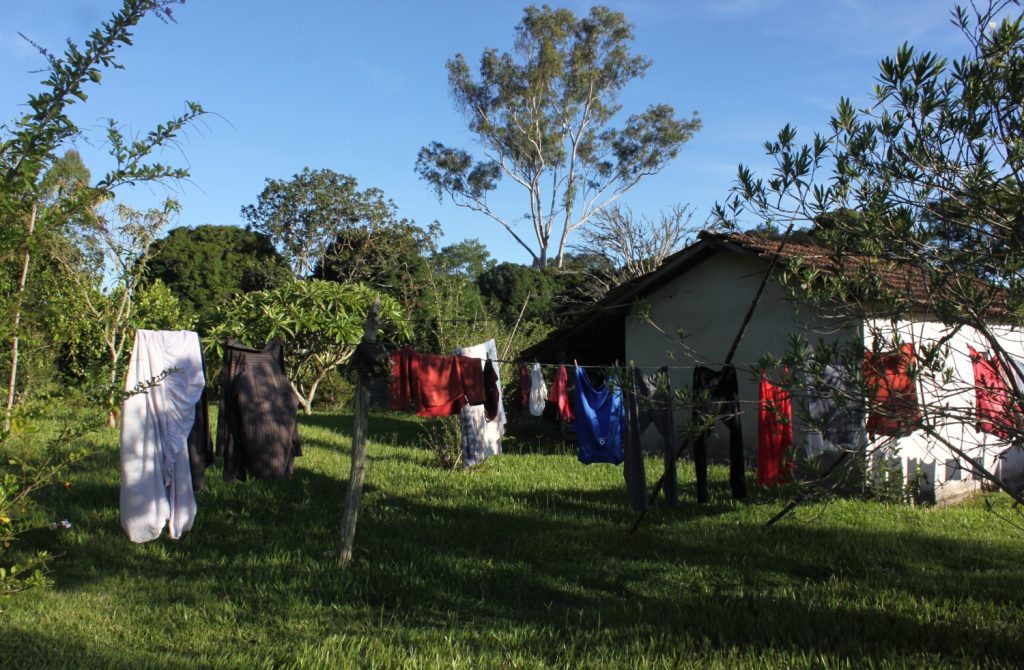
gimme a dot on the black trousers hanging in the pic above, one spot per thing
(716, 398)
(652, 397)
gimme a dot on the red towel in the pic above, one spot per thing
(558, 395)
(436, 384)
(892, 394)
(994, 403)
(774, 434)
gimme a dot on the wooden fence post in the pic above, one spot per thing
(364, 365)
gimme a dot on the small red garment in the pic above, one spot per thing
(523, 396)
(558, 395)
(774, 434)
(994, 403)
(474, 384)
(399, 395)
(892, 394)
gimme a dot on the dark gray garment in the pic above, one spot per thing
(716, 396)
(257, 431)
(654, 398)
(633, 457)
(831, 408)
(200, 445)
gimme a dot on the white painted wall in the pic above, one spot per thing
(709, 303)
(949, 403)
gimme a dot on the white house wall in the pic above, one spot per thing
(948, 403)
(709, 302)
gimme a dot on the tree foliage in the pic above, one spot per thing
(320, 322)
(41, 196)
(468, 258)
(205, 265)
(627, 246)
(543, 116)
(930, 175)
(307, 213)
(389, 255)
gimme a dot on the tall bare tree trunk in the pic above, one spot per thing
(16, 324)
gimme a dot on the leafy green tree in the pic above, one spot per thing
(388, 255)
(321, 322)
(543, 117)
(29, 147)
(507, 285)
(113, 292)
(468, 258)
(306, 214)
(205, 265)
(930, 175)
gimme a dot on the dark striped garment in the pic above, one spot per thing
(257, 432)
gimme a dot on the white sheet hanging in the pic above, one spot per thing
(156, 482)
(481, 438)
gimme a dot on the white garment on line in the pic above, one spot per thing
(538, 391)
(156, 482)
(481, 438)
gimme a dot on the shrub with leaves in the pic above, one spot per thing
(320, 322)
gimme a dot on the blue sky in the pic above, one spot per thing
(359, 87)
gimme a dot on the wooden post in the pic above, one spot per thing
(360, 421)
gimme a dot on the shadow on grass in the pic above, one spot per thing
(473, 549)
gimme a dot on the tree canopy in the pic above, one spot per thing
(543, 115)
(304, 215)
(321, 322)
(204, 265)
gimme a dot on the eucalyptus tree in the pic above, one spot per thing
(544, 116)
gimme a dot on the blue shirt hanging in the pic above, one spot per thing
(600, 421)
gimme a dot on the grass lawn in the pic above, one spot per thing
(521, 562)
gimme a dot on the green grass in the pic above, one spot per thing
(521, 562)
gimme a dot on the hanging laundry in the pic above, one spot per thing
(257, 431)
(993, 401)
(892, 393)
(774, 434)
(600, 420)
(832, 409)
(558, 396)
(200, 442)
(716, 398)
(400, 393)
(523, 391)
(632, 454)
(434, 385)
(653, 396)
(538, 390)
(492, 390)
(156, 467)
(482, 426)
